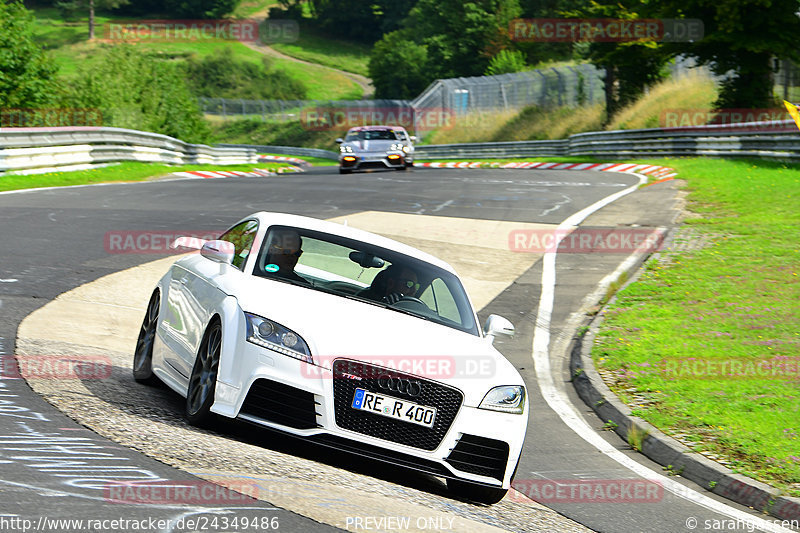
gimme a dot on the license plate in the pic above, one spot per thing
(395, 408)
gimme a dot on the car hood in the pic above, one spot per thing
(374, 145)
(335, 327)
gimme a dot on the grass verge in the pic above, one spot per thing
(705, 345)
(687, 345)
(115, 173)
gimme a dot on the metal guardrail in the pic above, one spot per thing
(40, 149)
(43, 149)
(778, 140)
(287, 150)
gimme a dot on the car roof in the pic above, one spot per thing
(375, 128)
(285, 219)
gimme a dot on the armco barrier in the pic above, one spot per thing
(40, 149)
(287, 150)
(778, 140)
(45, 149)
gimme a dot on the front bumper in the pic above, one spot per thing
(361, 160)
(312, 402)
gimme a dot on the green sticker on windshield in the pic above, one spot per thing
(272, 267)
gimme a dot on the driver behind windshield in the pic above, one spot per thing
(285, 249)
(392, 284)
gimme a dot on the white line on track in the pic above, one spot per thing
(558, 401)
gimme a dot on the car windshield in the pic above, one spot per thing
(371, 135)
(374, 275)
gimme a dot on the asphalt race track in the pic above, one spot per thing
(54, 468)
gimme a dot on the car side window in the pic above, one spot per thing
(242, 236)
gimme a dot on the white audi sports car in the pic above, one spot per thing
(376, 147)
(346, 338)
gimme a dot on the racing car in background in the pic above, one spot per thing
(376, 147)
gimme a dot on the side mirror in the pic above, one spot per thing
(339, 140)
(219, 251)
(413, 138)
(497, 325)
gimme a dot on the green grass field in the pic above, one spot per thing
(67, 43)
(677, 334)
(313, 47)
(115, 173)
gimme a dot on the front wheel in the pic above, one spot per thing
(345, 170)
(143, 356)
(203, 380)
(475, 492)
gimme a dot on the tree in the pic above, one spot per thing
(398, 66)
(440, 39)
(73, 6)
(26, 72)
(461, 37)
(630, 66)
(742, 38)
(361, 21)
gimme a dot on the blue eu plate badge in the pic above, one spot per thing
(358, 399)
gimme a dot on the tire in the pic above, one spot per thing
(203, 381)
(344, 170)
(475, 492)
(402, 168)
(143, 356)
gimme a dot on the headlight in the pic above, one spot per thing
(346, 149)
(273, 336)
(406, 149)
(506, 399)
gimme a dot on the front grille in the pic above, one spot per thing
(281, 404)
(479, 455)
(350, 375)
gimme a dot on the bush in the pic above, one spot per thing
(221, 75)
(138, 91)
(505, 62)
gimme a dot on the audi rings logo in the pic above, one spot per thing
(411, 387)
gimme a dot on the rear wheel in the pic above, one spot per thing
(475, 492)
(143, 356)
(203, 380)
